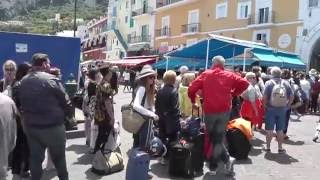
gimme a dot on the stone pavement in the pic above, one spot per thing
(302, 161)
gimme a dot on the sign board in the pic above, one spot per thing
(21, 48)
(284, 41)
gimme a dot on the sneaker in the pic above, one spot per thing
(282, 151)
(229, 166)
(212, 173)
(315, 139)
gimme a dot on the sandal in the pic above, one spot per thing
(282, 151)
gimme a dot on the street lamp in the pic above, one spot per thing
(75, 19)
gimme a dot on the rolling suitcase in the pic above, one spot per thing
(138, 165)
(197, 156)
(238, 145)
(180, 161)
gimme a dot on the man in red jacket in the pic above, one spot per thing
(218, 86)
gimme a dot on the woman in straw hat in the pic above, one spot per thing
(144, 103)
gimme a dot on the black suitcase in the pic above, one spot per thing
(238, 145)
(180, 161)
(197, 155)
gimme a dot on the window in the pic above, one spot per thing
(126, 19)
(221, 10)
(191, 41)
(165, 26)
(193, 21)
(313, 3)
(264, 15)
(127, 5)
(244, 10)
(262, 36)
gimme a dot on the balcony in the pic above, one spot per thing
(166, 4)
(139, 39)
(138, 12)
(261, 19)
(190, 28)
(163, 32)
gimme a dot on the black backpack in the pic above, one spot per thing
(238, 145)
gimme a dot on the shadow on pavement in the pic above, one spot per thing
(47, 175)
(79, 149)
(218, 176)
(296, 143)
(257, 142)
(85, 159)
(90, 175)
(245, 161)
(280, 158)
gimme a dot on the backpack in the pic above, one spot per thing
(278, 95)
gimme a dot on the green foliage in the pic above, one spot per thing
(13, 28)
(38, 18)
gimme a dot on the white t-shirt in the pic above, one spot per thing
(306, 87)
(126, 76)
(146, 109)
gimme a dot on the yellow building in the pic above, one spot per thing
(184, 22)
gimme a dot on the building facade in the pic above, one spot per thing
(94, 45)
(184, 22)
(308, 37)
(141, 37)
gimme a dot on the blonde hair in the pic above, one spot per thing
(250, 75)
(169, 77)
(187, 78)
(9, 63)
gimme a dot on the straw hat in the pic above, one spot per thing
(145, 73)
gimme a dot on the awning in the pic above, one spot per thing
(290, 60)
(133, 62)
(239, 61)
(218, 45)
(267, 58)
(175, 63)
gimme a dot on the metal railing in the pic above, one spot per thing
(162, 3)
(163, 32)
(145, 10)
(191, 28)
(267, 17)
(138, 39)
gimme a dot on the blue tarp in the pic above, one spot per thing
(175, 63)
(229, 47)
(64, 52)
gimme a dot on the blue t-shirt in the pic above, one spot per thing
(269, 86)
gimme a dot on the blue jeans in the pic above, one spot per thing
(216, 125)
(276, 118)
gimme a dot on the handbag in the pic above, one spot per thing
(131, 119)
(107, 163)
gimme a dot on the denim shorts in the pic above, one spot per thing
(275, 118)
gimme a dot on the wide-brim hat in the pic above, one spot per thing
(145, 73)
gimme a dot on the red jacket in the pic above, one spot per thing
(218, 86)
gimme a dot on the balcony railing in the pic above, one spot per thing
(191, 28)
(163, 32)
(145, 10)
(259, 18)
(162, 3)
(139, 39)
